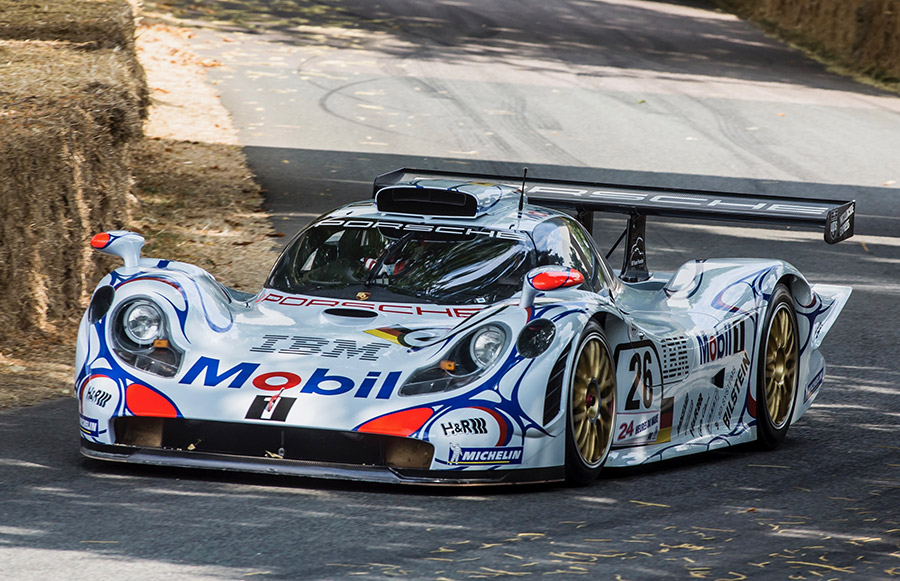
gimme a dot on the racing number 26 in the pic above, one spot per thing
(643, 377)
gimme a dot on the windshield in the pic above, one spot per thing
(445, 264)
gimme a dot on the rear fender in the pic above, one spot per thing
(817, 308)
(748, 290)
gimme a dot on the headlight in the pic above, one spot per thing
(140, 338)
(142, 322)
(486, 345)
(464, 363)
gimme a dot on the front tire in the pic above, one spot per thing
(779, 359)
(591, 408)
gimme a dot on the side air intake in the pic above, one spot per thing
(553, 395)
(426, 202)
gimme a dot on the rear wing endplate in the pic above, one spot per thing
(836, 218)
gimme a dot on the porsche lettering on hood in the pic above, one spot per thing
(388, 308)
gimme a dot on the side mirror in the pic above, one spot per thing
(121, 243)
(547, 278)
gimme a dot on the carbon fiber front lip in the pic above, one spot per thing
(381, 474)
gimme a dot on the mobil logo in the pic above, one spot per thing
(210, 373)
(726, 341)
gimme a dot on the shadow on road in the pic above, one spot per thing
(809, 499)
(588, 35)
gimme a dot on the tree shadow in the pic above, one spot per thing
(735, 510)
(592, 38)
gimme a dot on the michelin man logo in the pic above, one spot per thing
(455, 452)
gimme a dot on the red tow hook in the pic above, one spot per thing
(273, 399)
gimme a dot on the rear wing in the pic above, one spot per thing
(638, 202)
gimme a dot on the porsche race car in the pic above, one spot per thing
(459, 329)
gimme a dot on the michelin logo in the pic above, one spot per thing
(475, 456)
(89, 426)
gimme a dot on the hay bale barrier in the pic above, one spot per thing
(72, 159)
(86, 24)
(103, 23)
(72, 99)
(859, 36)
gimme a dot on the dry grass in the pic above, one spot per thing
(856, 38)
(195, 201)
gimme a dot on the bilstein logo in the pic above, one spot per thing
(727, 341)
(739, 378)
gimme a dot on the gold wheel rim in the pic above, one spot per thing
(781, 366)
(593, 401)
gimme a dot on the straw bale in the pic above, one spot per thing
(198, 203)
(101, 80)
(68, 118)
(102, 23)
(95, 26)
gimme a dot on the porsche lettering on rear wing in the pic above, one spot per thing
(836, 218)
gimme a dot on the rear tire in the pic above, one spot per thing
(591, 408)
(779, 359)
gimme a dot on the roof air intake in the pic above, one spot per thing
(426, 201)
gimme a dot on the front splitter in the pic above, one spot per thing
(324, 470)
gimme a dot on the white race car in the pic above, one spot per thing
(455, 329)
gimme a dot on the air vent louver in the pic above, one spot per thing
(675, 365)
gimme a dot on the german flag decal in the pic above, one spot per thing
(392, 334)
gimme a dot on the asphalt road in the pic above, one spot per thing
(629, 91)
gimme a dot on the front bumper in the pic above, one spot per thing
(291, 451)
